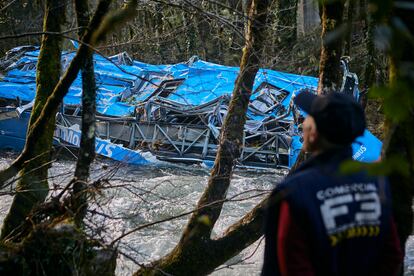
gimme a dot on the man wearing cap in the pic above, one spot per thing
(321, 221)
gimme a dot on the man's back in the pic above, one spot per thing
(328, 223)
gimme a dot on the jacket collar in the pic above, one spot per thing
(332, 156)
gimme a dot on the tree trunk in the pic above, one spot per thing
(196, 246)
(400, 135)
(97, 29)
(87, 142)
(234, 52)
(159, 31)
(349, 28)
(308, 16)
(332, 39)
(32, 188)
(204, 29)
(190, 35)
(286, 21)
(330, 76)
(370, 63)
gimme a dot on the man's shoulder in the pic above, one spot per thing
(315, 178)
(300, 176)
(297, 178)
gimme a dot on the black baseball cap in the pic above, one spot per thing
(338, 117)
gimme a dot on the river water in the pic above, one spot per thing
(131, 196)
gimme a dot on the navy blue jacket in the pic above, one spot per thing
(345, 221)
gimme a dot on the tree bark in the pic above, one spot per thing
(204, 28)
(349, 27)
(190, 34)
(370, 63)
(87, 142)
(332, 40)
(159, 31)
(368, 32)
(189, 256)
(33, 188)
(400, 135)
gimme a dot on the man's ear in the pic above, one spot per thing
(313, 135)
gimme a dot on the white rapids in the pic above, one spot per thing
(139, 195)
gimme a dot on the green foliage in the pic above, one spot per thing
(393, 164)
(398, 100)
(204, 220)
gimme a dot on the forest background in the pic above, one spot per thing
(166, 32)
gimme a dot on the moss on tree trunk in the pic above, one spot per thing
(33, 187)
(332, 42)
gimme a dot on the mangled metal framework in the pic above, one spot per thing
(173, 111)
(189, 134)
